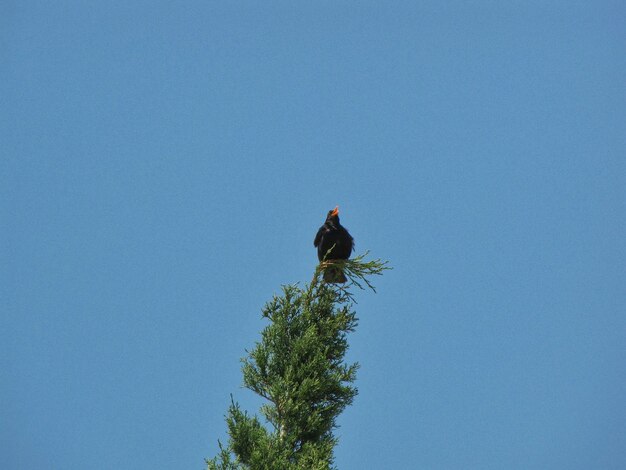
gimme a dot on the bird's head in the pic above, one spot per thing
(333, 215)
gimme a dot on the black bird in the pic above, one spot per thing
(333, 235)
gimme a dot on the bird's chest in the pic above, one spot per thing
(341, 241)
(333, 236)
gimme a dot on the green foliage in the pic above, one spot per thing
(356, 271)
(298, 367)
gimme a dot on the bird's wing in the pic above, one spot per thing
(348, 238)
(318, 237)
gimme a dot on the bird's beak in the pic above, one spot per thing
(335, 211)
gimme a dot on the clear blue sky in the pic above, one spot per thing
(165, 166)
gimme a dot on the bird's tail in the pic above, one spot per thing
(333, 274)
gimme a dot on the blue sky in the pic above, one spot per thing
(164, 169)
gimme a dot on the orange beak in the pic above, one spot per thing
(335, 211)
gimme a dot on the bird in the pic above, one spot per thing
(334, 237)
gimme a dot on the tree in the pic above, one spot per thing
(298, 367)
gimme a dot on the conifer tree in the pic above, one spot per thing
(298, 367)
